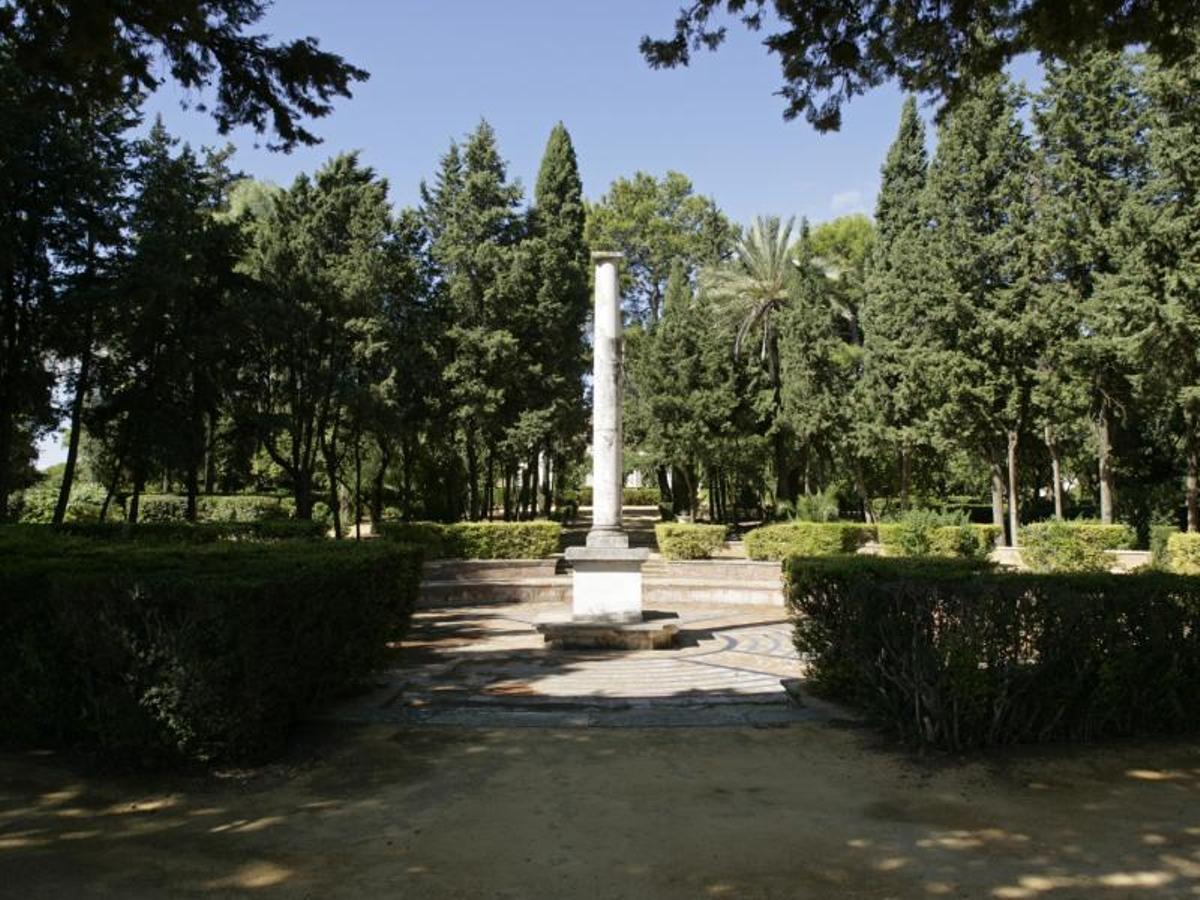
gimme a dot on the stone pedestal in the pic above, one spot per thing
(607, 583)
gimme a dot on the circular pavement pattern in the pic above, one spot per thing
(486, 665)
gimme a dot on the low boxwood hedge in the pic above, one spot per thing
(200, 533)
(969, 541)
(478, 540)
(1183, 553)
(1073, 546)
(164, 653)
(681, 541)
(953, 654)
(776, 542)
(214, 508)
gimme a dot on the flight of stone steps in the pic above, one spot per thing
(714, 581)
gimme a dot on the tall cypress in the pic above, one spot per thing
(894, 306)
(562, 303)
(982, 319)
(1090, 120)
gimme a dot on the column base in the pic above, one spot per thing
(607, 583)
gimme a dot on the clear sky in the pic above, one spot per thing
(438, 66)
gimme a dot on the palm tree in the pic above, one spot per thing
(756, 286)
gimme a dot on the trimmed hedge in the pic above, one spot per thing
(478, 540)
(776, 542)
(955, 541)
(155, 654)
(200, 533)
(1074, 546)
(630, 496)
(214, 508)
(1183, 553)
(954, 655)
(679, 541)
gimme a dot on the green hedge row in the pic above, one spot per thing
(162, 653)
(630, 496)
(1183, 553)
(952, 654)
(200, 533)
(777, 542)
(679, 541)
(478, 540)
(961, 541)
(215, 508)
(1073, 546)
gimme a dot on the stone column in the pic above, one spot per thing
(608, 478)
(607, 580)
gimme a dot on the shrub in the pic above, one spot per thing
(630, 496)
(929, 533)
(806, 539)
(429, 536)
(479, 540)
(676, 541)
(641, 496)
(243, 507)
(952, 654)
(200, 533)
(1159, 536)
(1183, 553)
(819, 507)
(35, 505)
(1075, 546)
(162, 653)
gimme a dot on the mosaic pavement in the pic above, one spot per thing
(485, 665)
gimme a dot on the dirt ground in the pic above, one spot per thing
(808, 810)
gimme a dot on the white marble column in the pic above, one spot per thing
(607, 580)
(607, 385)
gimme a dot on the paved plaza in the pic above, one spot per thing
(487, 665)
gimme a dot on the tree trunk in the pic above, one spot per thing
(81, 389)
(472, 477)
(112, 489)
(385, 460)
(905, 475)
(534, 485)
(783, 488)
(135, 501)
(210, 455)
(1193, 487)
(1056, 485)
(357, 486)
(1014, 502)
(860, 486)
(997, 470)
(664, 486)
(1104, 436)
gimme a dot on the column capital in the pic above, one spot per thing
(607, 256)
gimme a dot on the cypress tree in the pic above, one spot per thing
(561, 304)
(1090, 120)
(983, 319)
(895, 300)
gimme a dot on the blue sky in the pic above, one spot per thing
(437, 68)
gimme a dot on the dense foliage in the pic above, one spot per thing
(688, 541)
(478, 540)
(1013, 337)
(954, 656)
(1073, 546)
(831, 51)
(156, 652)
